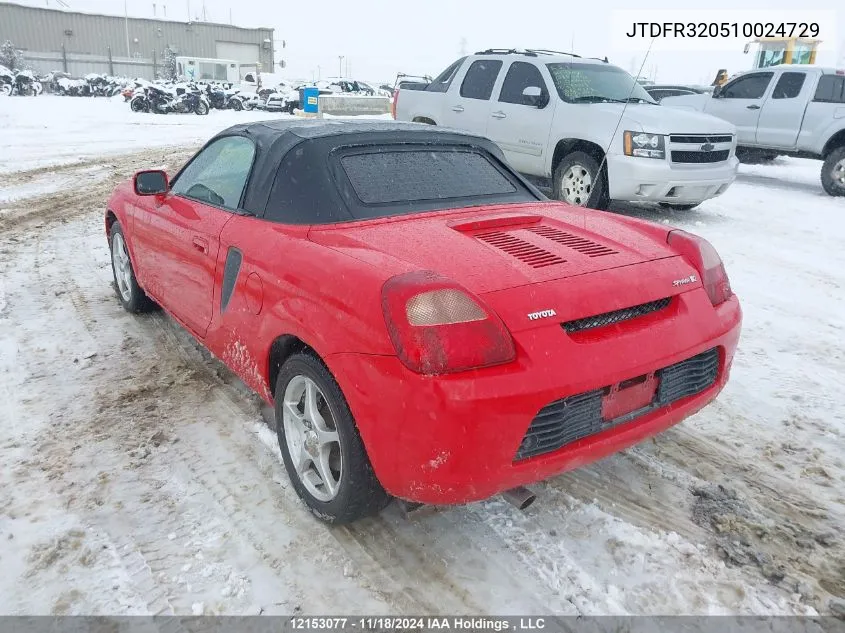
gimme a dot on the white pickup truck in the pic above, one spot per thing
(789, 109)
(583, 123)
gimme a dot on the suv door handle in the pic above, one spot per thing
(457, 108)
(499, 115)
(753, 107)
(200, 244)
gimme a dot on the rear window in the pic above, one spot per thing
(416, 176)
(831, 89)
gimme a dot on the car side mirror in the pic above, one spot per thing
(533, 96)
(151, 183)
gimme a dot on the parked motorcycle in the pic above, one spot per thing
(161, 101)
(217, 97)
(7, 81)
(26, 84)
(68, 87)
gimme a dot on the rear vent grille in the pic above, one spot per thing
(617, 316)
(577, 417)
(576, 243)
(534, 256)
(688, 378)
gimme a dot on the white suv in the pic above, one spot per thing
(583, 123)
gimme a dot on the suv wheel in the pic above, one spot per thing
(833, 172)
(577, 181)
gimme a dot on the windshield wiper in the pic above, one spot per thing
(639, 100)
(595, 99)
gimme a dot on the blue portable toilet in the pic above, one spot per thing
(310, 99)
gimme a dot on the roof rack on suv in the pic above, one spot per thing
(546, 51)
(506, 51)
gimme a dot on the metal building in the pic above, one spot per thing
(81, 43)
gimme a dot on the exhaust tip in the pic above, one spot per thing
(520, 497)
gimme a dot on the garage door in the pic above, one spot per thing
(243, 53)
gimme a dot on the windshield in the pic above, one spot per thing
(594, 83)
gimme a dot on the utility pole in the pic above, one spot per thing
(340, 65)
(230, 16)
(126, 26)
(319, 76)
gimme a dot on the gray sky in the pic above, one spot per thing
(382, 37)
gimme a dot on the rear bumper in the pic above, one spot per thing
(651, 180)
(454, 439)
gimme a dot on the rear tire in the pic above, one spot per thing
(131, 295)
(577, 181)
(833, 172)
(237, 106)
(353, 491)
(201, 108)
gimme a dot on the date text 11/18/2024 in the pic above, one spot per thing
(406, 623)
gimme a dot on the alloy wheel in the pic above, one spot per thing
(576, 185)
(122, 267)
(313, 443)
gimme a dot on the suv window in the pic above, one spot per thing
(480, 77)
(831, 89)
(442, 82)
(217, 174)
(789, 85)
(747, 87)
(521, 75)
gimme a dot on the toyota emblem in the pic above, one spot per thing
(707, 147)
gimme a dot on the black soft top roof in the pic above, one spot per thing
(293, 180)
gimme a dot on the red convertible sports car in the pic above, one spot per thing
(427, 325)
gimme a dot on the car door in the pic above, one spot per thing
(468, 100)
(782, 113)
(183, 230)
(521, 128)
(739, 102)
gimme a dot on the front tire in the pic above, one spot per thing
(201, 108)
(139, 105)
(833, 172)
(577, 181)
(323, 453)
(131, 295)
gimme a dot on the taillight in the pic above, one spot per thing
(704, 258)
(395, 100)
(437, 327)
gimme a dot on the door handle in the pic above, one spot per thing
(200, 244)
(499, 115)
(457, 108)
(753, 107)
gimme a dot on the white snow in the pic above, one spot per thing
(139, 477)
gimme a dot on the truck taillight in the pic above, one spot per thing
(395, 100)
(437, 327)
(703, 257)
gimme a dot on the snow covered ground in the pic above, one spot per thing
(139, 477)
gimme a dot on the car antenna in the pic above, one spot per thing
(622, 114)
